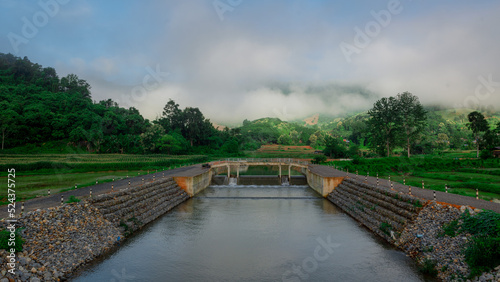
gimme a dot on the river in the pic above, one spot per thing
(254, 233)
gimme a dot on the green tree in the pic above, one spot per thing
(334, 148)
(173, 144)
(384, 123)
(477, 123)
(413, 117)
(7, 119)
(150, 139)
(231, 146)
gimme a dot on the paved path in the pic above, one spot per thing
(416, 191)
(55, 199)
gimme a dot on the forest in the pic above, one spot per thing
(42, 112)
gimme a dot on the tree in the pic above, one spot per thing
(150, 138)
(477, 124)
(7, 119)
(172, 143)
(384, 122)
(413, 117)
(231, 146)
(334, 148)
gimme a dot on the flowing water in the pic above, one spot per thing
(254, 233)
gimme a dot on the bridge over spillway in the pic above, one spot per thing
(289, 163)
(323, 179)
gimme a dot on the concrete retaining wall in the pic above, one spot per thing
(321, 184)
(192, 185)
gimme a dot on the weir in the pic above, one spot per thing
(322, 179)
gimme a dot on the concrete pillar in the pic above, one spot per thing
(228, 172)
(289, 173)
(280, 170)
(237, 173)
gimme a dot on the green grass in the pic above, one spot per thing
(462, 176)
(30, 186)
(36, 174)
(63, 163)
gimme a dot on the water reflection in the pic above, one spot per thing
(257, 233)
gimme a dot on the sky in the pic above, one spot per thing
(248, 59)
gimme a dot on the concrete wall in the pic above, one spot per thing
(321, 184)
(192, 185)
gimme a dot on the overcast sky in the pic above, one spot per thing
(237, 59)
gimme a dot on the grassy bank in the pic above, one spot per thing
(461, 175)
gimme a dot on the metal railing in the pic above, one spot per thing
(263, 160)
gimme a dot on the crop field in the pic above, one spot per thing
(461, 173)
(282, 151)
(65, 163)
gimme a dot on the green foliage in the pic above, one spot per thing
(482, 254)
(477, 123)
(4, 240)
(449, 229)
(396, 121)
(386, 228)
(73, 199)
(231, 147)
(485, 154)
(483, 223)
(428, 266)
(319, 159)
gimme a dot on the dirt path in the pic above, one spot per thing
(54, 200)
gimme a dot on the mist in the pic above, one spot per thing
(259, 59)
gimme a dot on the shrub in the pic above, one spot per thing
(482, 253)
(318, 159)
(73, 199)
(386, 228)
(428, 266)
(4, 240)
(449, 229)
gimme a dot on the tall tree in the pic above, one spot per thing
(413, 117)
(384, 123)
(477, 124)
(7, 119)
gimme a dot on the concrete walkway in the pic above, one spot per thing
(102, 188)
(416, 191)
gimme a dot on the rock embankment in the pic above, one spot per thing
(58, 241)
(424, 240)
(385, 212)
(412, 224)
(132, 208)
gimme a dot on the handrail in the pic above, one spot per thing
(264, 160)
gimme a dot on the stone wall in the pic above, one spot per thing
(383, 211)
(135, 207)
(58, 241)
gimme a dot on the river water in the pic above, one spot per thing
(254, 233)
